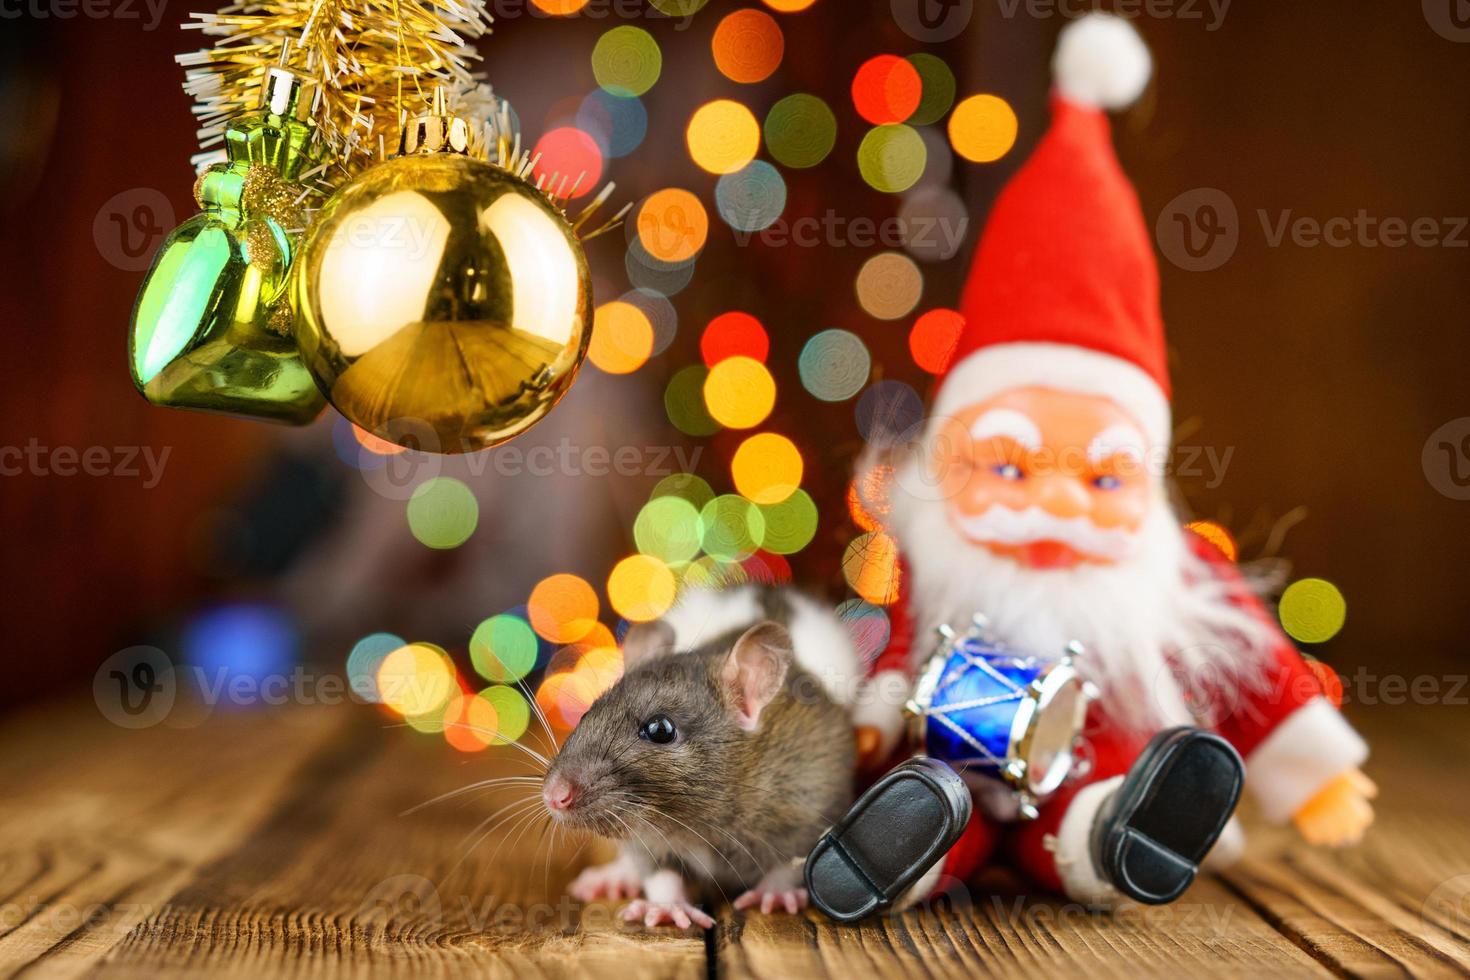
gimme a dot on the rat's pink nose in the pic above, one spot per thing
(558, 792)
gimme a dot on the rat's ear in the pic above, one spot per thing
(754, 670)
(644, 641)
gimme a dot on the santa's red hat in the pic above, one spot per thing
(1064, 291)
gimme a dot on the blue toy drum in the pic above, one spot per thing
(996, 713)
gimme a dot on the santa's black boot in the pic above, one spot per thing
(1151, 834)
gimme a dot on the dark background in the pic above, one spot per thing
(1325, 369)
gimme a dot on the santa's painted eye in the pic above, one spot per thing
(1107, 482)
(659, 729)
(1008, 471)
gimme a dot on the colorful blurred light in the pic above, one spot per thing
(617, 123)
(789, 525)
(641, 588)
(646, 272)
(627, 61)
(935, 221)
(417, 681)
(938, 87)
(739, 392)
(886, 90)
(767, 468)
(363, 662)
(244, 640)
(443, 513)
(889, 412)
(723, 136)
(563, 608)
(892, 158)
(672, 225)
(889, 286)
(733, 527)
(668, 528)
(933, 338)
(503, 649)
(734, 334)
(370, 442)
(470, 723)
(511, 711)
(1217, 536)
(868, 625)
(685, 486)
(559, 8)
(834, 365)
(661, 315)
(983, 128)
(684, 402)
(789, 6)
(748, 46)
(570, 161)
(800, 131)
(752, 198)
(870, 565)
(622, 338)
(1312, 610)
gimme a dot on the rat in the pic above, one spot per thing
(718, 759)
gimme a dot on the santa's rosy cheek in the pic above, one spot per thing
(1123, 508)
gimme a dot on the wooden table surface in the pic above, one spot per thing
(275, 843)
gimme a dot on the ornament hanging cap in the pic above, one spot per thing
(1064, 290)
(284, 93)
(436, 131)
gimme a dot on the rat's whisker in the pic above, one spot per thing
(538, 714)
(472, 787)
(545, 762)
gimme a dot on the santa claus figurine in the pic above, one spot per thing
(1036, 497)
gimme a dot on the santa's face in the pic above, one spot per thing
(1051, 479)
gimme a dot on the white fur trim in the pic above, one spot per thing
(991, 370)
(1314, 745)
(1080, 878)
(1101, 61)
(824, 648)
(703, 614)
(880, 705)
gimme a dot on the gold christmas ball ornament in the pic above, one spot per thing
(442, 298)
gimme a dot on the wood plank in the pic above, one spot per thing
(338, 882)
(1205, 933)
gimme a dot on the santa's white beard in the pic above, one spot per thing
(1154, 624)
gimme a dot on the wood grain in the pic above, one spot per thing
(287, 843)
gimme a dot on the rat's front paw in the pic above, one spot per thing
(615, 880)
(681, 914)
(779, 889)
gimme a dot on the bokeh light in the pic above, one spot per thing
(511, 710)
(252, 640)
(685, 486)
(790, 525)
(789, 6)
(739, 392)
(373, 444)
(983, 128)
(661, 315)
(470, 723)
(1217, 536)
(1312, 610)
(417, 680)
(938, 85)
(617, 123)
(684, 402)
(641, 588)
(870, 565)
(668, 528)
(503, 649)
(934, 220)
(889, 286)
(672, 225)
(568, 154)
(886, 90)
(366, 658)
(723, 136)
(891, 158)
(627, 61)
(834, 365)
(563, 608)
(800, 131)
(622, 338)
(646, 272)
(938, 159)
(679, 9)
(767, 468)
(868, 625)
(734, 334)
(733, 527)
(889, 412)
(748, 46)
(934, 336)
(752, 198)
(443, 513)
(559, 8)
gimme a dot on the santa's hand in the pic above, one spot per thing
(1339, 813)
(869, 747)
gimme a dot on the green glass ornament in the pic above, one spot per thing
(211, 328)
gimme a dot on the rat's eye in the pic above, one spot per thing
(659, 729)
